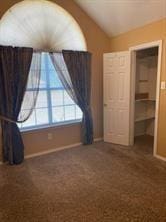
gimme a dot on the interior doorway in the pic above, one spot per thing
(145, 86)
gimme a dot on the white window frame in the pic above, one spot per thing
(49, 107)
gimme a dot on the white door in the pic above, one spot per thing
(117, 97)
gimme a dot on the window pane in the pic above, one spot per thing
(67, 99)
(58, 114)
(43, 61)
(28, 101)
(42, 116)
(43, 83)
(32, 79)
(54, 80)
(50, 64)
(19, 125)
(78, 113)
(70, 112)
(41, 99)
(57, 97)
(30, 121)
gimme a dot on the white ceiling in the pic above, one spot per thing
(119, 16)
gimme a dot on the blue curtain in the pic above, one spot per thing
(14, 69)
(79, 67)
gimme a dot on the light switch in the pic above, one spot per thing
(163, 85)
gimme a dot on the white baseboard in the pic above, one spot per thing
(58, 149)
(160, 157)
(52, 150)
(98, 139)
(71, 146)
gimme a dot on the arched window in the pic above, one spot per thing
(45, 26)
(40, 24)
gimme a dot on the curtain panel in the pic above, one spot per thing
(79, 67)
(32, 89)
(14, 69)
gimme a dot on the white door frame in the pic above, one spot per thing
(132, 95)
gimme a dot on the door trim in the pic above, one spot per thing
(133, 72)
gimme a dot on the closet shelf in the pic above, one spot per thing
(139, 96)
(146, 100)
(142, 118)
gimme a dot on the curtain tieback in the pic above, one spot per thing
(7, 119)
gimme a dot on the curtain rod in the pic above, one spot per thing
(56, 51)
(46, 51)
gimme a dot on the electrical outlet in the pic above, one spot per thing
(163, 85)
(49, 136)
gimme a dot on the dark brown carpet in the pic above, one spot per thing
(98, 183)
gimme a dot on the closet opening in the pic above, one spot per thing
(145, 97)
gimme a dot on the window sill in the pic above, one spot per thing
(48, 127)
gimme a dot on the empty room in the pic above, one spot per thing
(82, 111)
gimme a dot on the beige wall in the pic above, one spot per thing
(148, 33)
(98, 43)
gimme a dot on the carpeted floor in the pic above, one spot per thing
(98, 183)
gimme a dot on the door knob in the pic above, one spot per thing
(105, 104)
